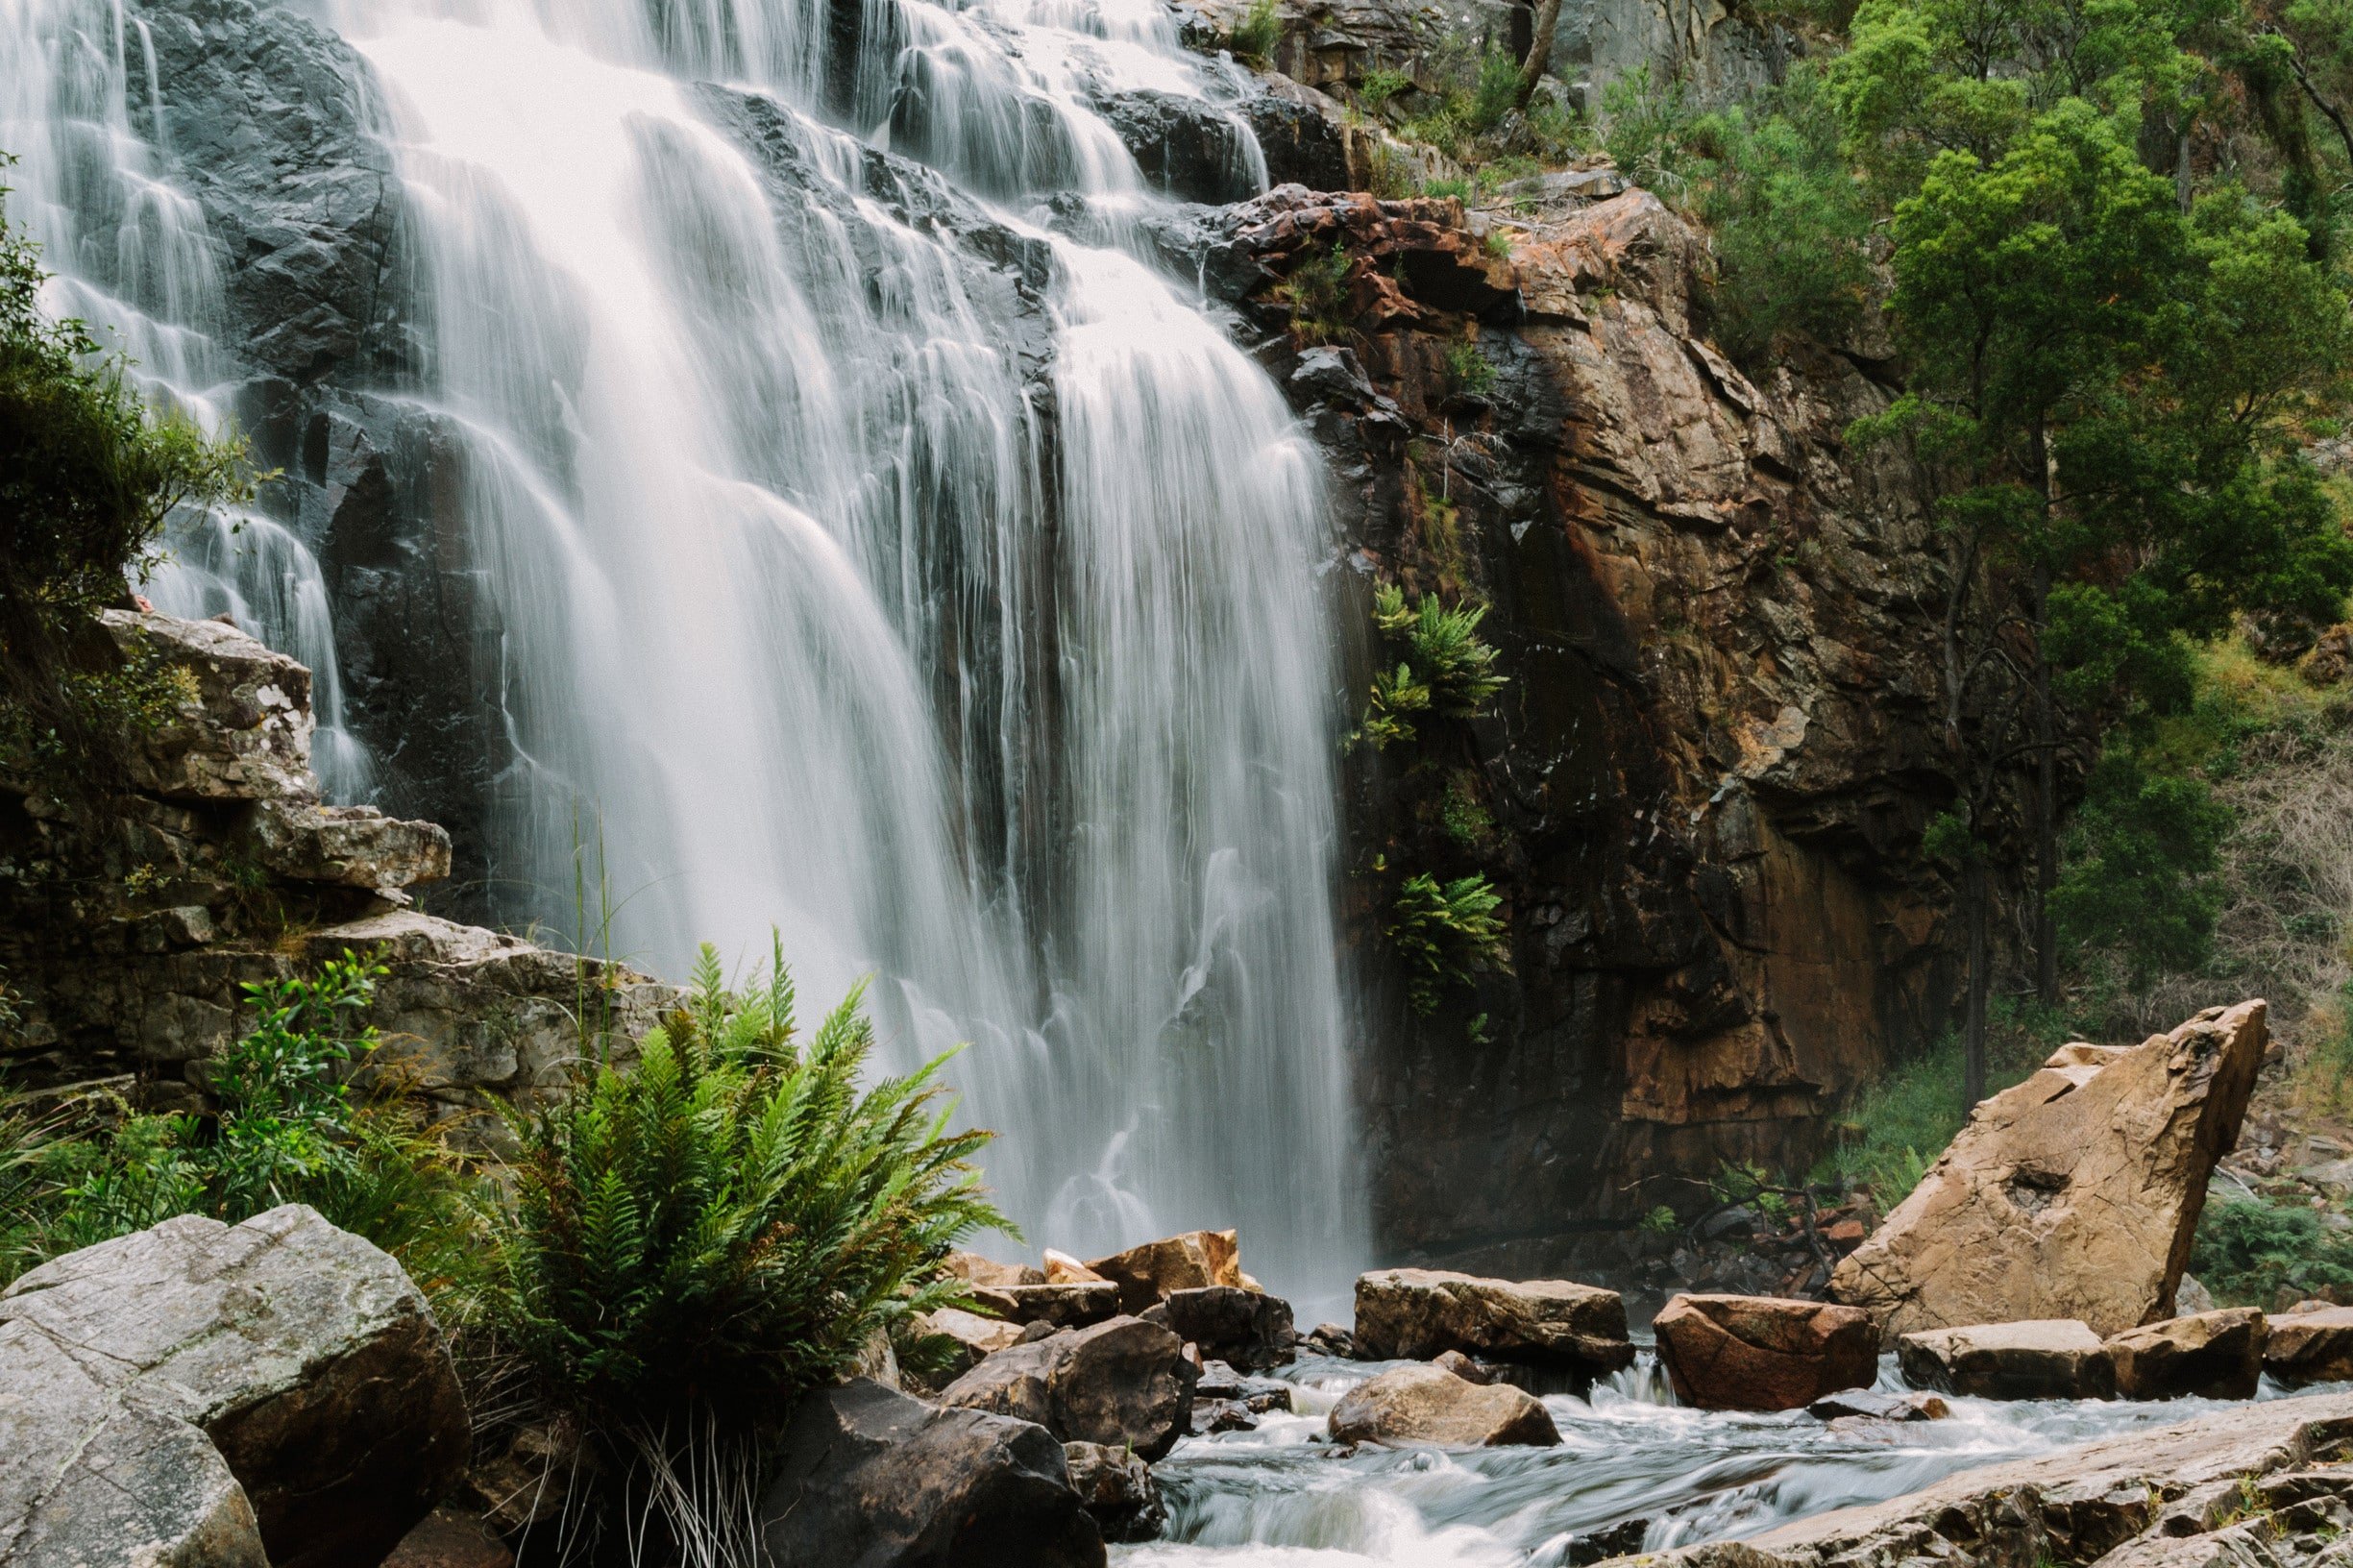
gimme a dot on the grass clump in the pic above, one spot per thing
(1446, 933)
(1255, 36)
(1895, 1129)
(1468, 372)
(1317, 292)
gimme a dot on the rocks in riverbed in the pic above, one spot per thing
(1119, 1491)
(1330, 1339)
(1191, 1262)
(2051, 1358)
(1869, 1405)
(1414, 1313)
(974, 1270)
(1763, 1353)
(1123, 1383)
(2309, 1346)
(2075, 1507)
(1247, 1329)
(1075, 1306)
(2073, 1195)
(1431, 1404)
(1061, 1268)
(274, 1394)
(2218, 1355)
(873, 1478)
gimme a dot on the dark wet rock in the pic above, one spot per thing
(1118, 1490)
(1304, 135)
(1249, 1329)
(1864, 1404)
(879, 1479)
(1329, 1339)
(1618, 1540)
(2215, 1355)
(1073, 1305)
(2309, 1346)
(1188, 148)
(1124, 1383)
(1431, 1404)
(219, 1392)
(2051, 1359)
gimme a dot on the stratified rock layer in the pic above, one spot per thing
(198, 1394)
(2048, 1359)
(2215, 1355)
(1416, 1313)
(2071, 1195)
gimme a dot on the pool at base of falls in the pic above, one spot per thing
(1283, 1497)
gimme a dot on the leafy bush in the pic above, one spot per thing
(1255, 36)
(726, 1224)
(1379, 86)
(1894, 1129)
(1317, 292)
(1469, 373)
(1445, 933)
(1445, 667)
(2251, 1253)
(2139, 878)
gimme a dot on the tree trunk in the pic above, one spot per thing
(1539, 53)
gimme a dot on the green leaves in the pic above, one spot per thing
(2139, 879)
(1446, 667)
(1445, 933)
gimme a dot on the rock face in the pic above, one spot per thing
(2119, 1501)
(2054, 1358)
(1762, 1353)
(1073, 1305)
(1118, 1490)
(1125, 1382)
(2073, 1195)
(2309, 1347)
(273, 1393)
(1191, 1262)
(2218, 1355)
(1431, 1404)
(872, 1479)
(1247, 1329)
(1414, 1313)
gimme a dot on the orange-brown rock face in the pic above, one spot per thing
(1702, 794)
(2071, 1195)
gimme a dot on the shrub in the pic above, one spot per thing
(2250, 1253)
(1445, 933)
(1317, 292)
(1255, 36)
(728, 1223)
(2139, 878)
(1445, 646)
(1469, 374)
(1379, 86)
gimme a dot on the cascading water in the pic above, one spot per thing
(130, 252)
(965, 630)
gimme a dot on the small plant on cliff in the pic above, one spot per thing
(1468, 372)
(1444, 667)
(692, 1242)
(1317, 293)
(1255, 36)
(1446, 933)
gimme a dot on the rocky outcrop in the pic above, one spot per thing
(1762, 1353)
(1415, 1314)
(2071, 1195)
(1431, 1404)
(2313, 1346)
(2149, 1493)
(1125, 1382)
(1248, 1329)
(974, 1270)
(1192, 1261)
(2215, 1355)
(1073, 1305)
(1119, 1491)
(200, 1395)
(2054, 1359)
(872, 1479)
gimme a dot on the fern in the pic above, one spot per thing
(1447, 668)
(1445, 931)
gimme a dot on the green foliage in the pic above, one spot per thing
(285, 1118)
(2140, 870)
(2249, 1252)
(1498, 85)
(1445, 933)
(87, 475)
(1458, 189)
(1466, 822)
(1255, 36)
(1317, 292)
(1379, 87)
(730, 1222)
(1468, 372)
(1895, 1129)
(1660, 1221)
(1445, 668)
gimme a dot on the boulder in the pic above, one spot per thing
(2215, 1355)
(972, 1336)
(273, 1393)
(2074, 1506)
(1119, 1491)
(1763, 1353)
(1146, 1274)
(1061, 1268)
(2054, 1359)
(353, 846)
(242, 730)
(1330, 1339)
(1869, 1405)
(1431, 1404)
(1413, 1313)
(450, 1538)
(2309, 1346)
(868, 1478)
(2073, 1195)
(1125, 1382)
(1248, 1329)
(1073, 1305)
(974, 1270)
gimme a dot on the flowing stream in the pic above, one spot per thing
(968, 636)
(1630, 1459)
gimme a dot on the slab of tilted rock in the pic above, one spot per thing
(1414, 1313)
(1763, 1353)
(1125, 1382)
(1431, 1404)
(2071, 1506)
(2073, 1195)
(2215, 1355)
(2049, 1358)
(2313, 1346)
(867, 1478)
(243, 730)
(193, 1394)
(1189, 1262)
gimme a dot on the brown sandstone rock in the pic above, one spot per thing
(1431, 1404)
(2309, 1346)
(1125, 1382)
(1061, 1268)
(1117, 1489)
(1867, 1405)
(2051, 1359)
(974, 1270)
(1064, 1306)
(1763, 1353)
(2073, 1195)
(1413, 1313)
(1187, 1261)
(2218, 1355)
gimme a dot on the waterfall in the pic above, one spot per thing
(963, 629)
